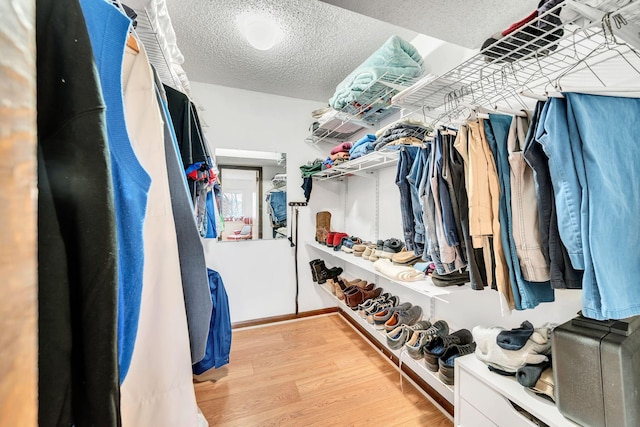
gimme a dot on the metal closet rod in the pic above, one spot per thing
(624, 92)
(518, 113)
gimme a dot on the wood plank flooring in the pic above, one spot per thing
(312, 372)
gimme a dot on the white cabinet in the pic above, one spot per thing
(485, 398)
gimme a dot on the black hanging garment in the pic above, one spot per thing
(77, 248)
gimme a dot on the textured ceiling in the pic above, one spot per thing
(462, 22)
(322, 43)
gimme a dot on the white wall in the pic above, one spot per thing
(259, 276)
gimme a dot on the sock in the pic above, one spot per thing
(529, 375)
(516, 338)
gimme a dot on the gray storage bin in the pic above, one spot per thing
(596, 366)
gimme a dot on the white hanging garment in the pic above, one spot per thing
(158, 390)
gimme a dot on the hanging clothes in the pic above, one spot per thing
(151, 393)
(562, 274)
(190, 250)
(595, 200)
(78, 382)
(219, 340)
(526, 294)
(108, 29)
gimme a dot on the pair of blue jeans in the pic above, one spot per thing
(405, 162)
(562, 273)
(414, 177)
(526, 294)
(601, 201)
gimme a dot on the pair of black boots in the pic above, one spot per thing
(321, 273)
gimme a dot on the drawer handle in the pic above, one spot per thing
(528, 415)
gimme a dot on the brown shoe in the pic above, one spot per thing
(361, 295)
(323, 225)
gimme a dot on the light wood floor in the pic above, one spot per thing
(313, 372)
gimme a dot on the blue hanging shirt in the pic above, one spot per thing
(108, 30)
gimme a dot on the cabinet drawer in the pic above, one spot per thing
(468, 416)
(489, 402)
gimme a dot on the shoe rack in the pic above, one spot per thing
(424, 287)
(399, 357)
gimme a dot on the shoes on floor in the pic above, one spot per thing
(447, 360)
(381, 317)
(436, 348)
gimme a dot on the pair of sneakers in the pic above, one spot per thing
(367, 309)
(441, 351)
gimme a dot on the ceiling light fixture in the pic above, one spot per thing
(261, 33)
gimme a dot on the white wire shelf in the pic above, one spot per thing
(366, 163)
(424, 287)
(542, 55)
(368, 108)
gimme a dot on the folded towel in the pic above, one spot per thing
(345, 146)
(396, 56)
(397, 272)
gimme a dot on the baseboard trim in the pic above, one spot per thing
(283, 318)
(444, 403)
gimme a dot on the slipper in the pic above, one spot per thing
(405, 258)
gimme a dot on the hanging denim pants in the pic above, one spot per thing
(607, 154)
(562, 273)
(405, 162)
(526, 294)
(414, 177)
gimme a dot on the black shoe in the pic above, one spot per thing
(448, 358)
(433, 350)
(323, 273)
(314, 275)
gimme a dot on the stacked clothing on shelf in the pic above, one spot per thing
(362, 146)
(402, 133)
(395, 57)
(339, 154)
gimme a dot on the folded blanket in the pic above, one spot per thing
(345, 146)
(397, 272)
(396, 56)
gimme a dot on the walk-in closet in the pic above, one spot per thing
(319, 213)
